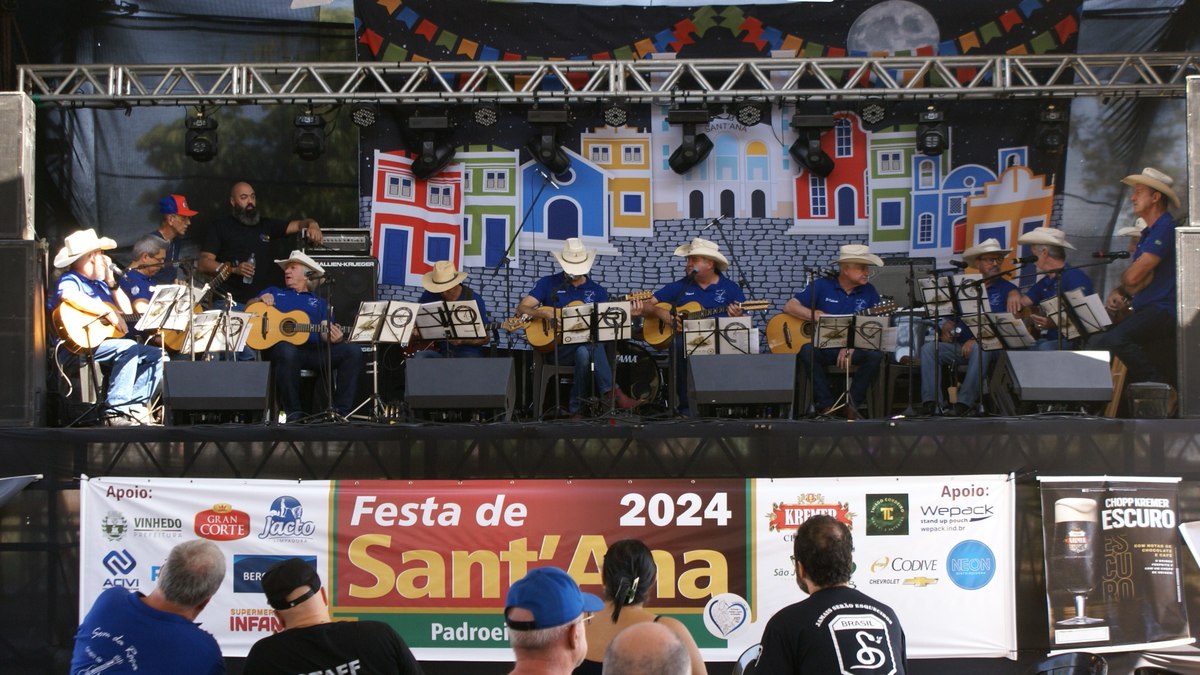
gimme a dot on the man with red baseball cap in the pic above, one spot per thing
(176, 217)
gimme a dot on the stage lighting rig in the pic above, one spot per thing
(436, 153)
(364, 114)
(546, 147)
(933, 136)
(1051, 134)
(806, 150)
(486, 114)
(695, 146)
(309, 137)
(200, 142)
(616, 113)
(750, 112)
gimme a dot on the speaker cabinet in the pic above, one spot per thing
(891, 280)
(1022, 380)
(23, 333)
(216, 385)
(353, 279)
(16, 166)
(461, 384)
(1187, 248)
(737, 380)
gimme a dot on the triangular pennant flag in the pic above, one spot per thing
(372, 40)
(968, 41)
(389, 5)
(1010, 19)
(407, 17)
(1028, 7)
(989, 31)
(1066, 28)
(447, 39)
(467, 48)
(426, 29)
(1043, 43)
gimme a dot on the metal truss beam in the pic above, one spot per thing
(646, 81)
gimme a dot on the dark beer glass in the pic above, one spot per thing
(1075, 556)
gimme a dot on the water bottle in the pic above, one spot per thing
(249, 279)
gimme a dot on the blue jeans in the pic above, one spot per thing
(586, 363)
(868, 362)
(288, 360)
(950, 354)
(1125, 341)
(135, 375)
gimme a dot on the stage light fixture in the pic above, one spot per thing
(309, 138)
(616, 113)
(873, 113)
(200, 142)
(806, 149)
(486, 114)
(364, 113)
(435, 153)
(545, 147)
(1051, 134)
(695, 146)
(933, 136)
(748, 112)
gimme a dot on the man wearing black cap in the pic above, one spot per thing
(312, 642)
(545, 612)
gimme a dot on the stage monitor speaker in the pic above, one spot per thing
(461, 384)
(891, 280)
(1187, 246)
(23, 333)
(16, 165)
(354, 282)
(1024, 379)
(216, 385)
(741, 379)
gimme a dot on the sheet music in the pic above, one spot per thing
(368, 321)
(159, 308)
(699, 336)
(210, 333)
(1089, 309)
(981, 328)
(575, 323)
(615, 321)
(833, 330)
(868, 332)
(1011, 330)
(734, 336)
(936, 292)
(401, 319)
(458, 320)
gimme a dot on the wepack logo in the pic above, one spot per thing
(887, 514)
(114, 526)
(222, 523)
(285, 520)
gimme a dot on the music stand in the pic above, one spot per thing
(444, 320)
(848, 331)
(1080, 316)
(217, 331)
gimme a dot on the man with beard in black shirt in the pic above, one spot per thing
(836, 629)
(246, 241)
(311, 642)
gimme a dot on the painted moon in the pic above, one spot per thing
(892, 26)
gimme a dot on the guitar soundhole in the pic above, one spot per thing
(287, 327)
(808, 329)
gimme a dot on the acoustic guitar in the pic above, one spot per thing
(270, 326)
(786, 334)
(657, 332)
(174, 339)
(542, 333)
(82, 330)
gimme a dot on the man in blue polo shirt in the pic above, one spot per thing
(1050, 246)
(172, 230)
(302, 275)
(850, 292)
(445, 283)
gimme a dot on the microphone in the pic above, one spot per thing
(120, 273)
(1025, 259)
(1111, 255)
(959, 264)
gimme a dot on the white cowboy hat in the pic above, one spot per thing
(1155, 180)
(442, 277)
(1050, 236)
(575, 259)
(858, 253)
(79, 244)
(705, 249)
(300, 257)
(983, 248)
(1134, 230)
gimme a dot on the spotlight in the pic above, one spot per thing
(616, 113)
(1051, 132)
(546, 147)
(933, 137)
(435, 153)
(364, 113)
(806, 150)
(201, 141)
(873, 113)
(486, 114)
(309, 138)
(695, 146)
(748, 113)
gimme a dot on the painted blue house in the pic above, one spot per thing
(572, 204)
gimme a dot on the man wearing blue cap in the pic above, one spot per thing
(545, 612)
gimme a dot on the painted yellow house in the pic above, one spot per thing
(1015, 203)
(625, 154)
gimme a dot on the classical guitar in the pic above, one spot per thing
(82, 330)
(270, 326)
(419, 344)
(658, 332)
(786, 334)
(174, 339)
(542, 333)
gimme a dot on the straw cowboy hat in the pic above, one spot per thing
(1050, 236)
(79, 244)
(983, 248)
(1155, 180)
(300, 257)
(705, 249)
(858, 253)
(442, 277)
(1134, 230)
(575, 259)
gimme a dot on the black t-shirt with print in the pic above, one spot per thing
(353, 646)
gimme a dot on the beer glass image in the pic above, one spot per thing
(1075, 555)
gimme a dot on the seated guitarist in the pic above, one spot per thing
(704, 283)
(1050, 246)
(90, 286)
(850, 292)
(301, 275)
(445, 282)
(559, 290)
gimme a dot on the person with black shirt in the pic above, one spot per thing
(836, 629)
(246, 240)
(312, 642)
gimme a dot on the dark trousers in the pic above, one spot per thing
(868, 363)
(1126, 339)
(288, 360)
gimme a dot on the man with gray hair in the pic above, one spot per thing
(1050, 246)
(149, 255)
(647, 648)
(545, 612)
(127, 632)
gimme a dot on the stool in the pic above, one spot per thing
(544, 371)
(836, 375)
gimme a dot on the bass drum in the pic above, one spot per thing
(637, 372)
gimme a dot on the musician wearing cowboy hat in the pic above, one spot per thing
(850, 292)
(1050, 246)
(445, 283)
(956, 345)
(1148, 284)
(90, 285)
(558, 290)
(301, 276)
(703, 282)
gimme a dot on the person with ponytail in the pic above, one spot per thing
(629, 574)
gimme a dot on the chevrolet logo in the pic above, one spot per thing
(920, 582)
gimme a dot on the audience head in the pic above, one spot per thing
(629, 573)
(192, 574)
(545, 612)
(824, 551)
(647, 648)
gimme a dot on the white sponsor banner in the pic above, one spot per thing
(128, 525)
(938, 549)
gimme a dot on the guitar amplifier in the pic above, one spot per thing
(353, 280)
(341, 241)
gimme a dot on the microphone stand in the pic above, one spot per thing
(812, 361)
(556, 326)
(913, 355)
(981, 285)
(330, 414)
(677, 345)
(745, 285)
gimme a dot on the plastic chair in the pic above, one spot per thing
(1072, 663)
(544, 372)
(748, 661)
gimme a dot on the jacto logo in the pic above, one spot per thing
(285, 520)
(222, 523)
(887, 514)
(113, 525)
(784, 516)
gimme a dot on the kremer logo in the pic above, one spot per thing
(119, 562)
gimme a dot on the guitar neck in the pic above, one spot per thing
(713, 311)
